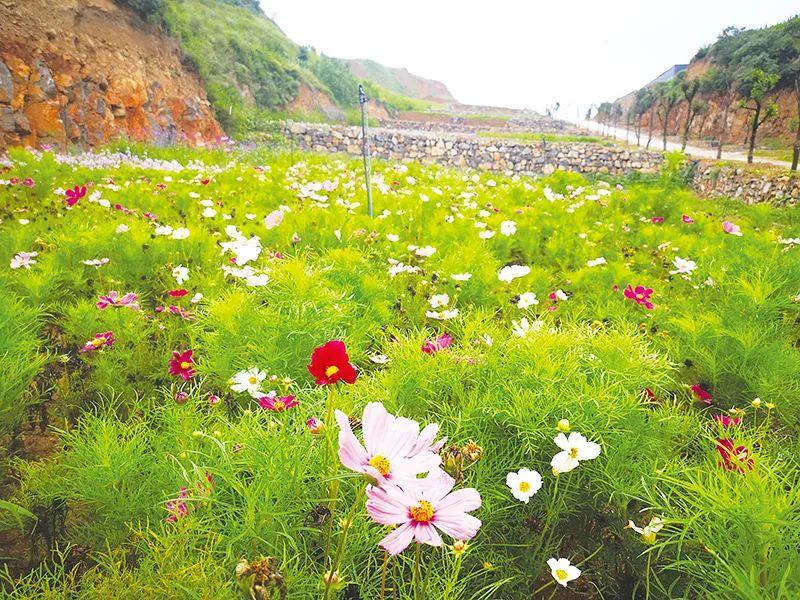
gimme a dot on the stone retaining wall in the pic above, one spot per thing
(750, 185)
(710, 180)
(480, 153)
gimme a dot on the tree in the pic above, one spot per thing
(668, 95)
(719, 80)
(753, 89)
(689, 89)
(641, 104)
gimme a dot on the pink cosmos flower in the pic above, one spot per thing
(640, 295)
(100, 340)
(657, 219)
(421, 508)
(182, 365)
(687, 219)
(28, 182)
(273, 219)
(394, 448)
(23, 260)
(176, 310)
(181, 397)
(440, 343)
(177, 508)
(701, 394)
(213, 399)
(731, 228)
(727, 421)
(73, 195)
(129, 300)
(734, 458)
(315, 426)
(277, 404)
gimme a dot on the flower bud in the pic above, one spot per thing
(563, 426)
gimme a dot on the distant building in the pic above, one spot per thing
(670, 73)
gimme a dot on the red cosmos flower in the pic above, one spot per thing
(182, 365)
(734, 458)
(651, 397)
(75, 194)
(657, 219)
(28, 182)
(640, 295)
(277, 404)
(330, 363)
(701, 394)
(178, 293)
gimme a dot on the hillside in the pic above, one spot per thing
(114, 77)
(724, 73)
(399, 80)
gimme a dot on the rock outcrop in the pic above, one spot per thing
(82, 72)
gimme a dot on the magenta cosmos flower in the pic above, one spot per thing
(394, 448)
(422, 508)
(182, 365)
(73, 195)
(734, 458)
(100, 341)
(731, 228)
(330, 363)
(277, 404)
(129, 300)
(640, 295)
(440, 343)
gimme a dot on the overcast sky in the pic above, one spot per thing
(526, 54)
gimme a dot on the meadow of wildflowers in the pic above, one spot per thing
(498, 387)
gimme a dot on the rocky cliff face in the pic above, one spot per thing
(402, 81)
(86, 71)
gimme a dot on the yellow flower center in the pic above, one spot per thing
(422, 512)
(561, 574)
(185, 365)
(97, 342)
(331, 371)
(252, 380)
(278, 405)
(649, 536)
(573, 453)
(524, 487)
(381, 464)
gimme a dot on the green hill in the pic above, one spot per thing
(253, 73)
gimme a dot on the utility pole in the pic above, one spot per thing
(362, 100)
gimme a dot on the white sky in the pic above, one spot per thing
(525, 54)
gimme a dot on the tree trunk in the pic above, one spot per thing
(723, 127)
(650, 128)
(753, 130)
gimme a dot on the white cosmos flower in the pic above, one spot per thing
(181, 233)
(523, 327)
(508, 228)
(524, 484)
(379, 359)
(445, 315)
(526, 300)
(649, 531)
(209, 212)
(122, 228)
(460, 276)
(96, 262)
(248, 381)
(181, 274)
(562, 570)
(560, 295)
(439, 300)
(511, 272)
(163, 230)
(596, 262)
(486, 234)
(196, 298)
(392, 237)
(683, 266)
(574, 449)
(425, 251)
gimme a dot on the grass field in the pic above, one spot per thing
(160, 310)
